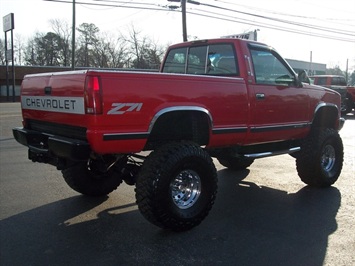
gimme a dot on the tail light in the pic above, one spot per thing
(93, 95)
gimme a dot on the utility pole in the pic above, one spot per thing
(73, 39)
(346, 71)
(183, 12)
(184, 29)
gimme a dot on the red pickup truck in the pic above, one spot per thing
(338, 83)
(231, 99)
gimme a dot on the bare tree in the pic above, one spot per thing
(334, 71)
(88, 39)
(94, 49)
(109, 52)
(31, 52)
(63, 30)
(144, 53)
(2, 52)
(44, 50)
(118, 53)
(136, 47)
(19, 48)
(154, 55)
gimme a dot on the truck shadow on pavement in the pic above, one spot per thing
(248, 225)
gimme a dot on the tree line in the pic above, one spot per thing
(93, 48)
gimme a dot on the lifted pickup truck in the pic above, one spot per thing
(231, 99)
(337, 83)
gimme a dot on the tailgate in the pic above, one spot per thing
(50, 97)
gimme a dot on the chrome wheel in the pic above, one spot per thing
(185, 189)
(177, 186)
(328, 158)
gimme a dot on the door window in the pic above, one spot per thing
(270, 70)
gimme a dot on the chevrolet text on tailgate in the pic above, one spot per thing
(231, 99)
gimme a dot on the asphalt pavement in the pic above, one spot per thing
(263, 215)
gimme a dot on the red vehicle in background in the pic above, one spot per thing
(231, 99)
(350, 98)
(337, 83)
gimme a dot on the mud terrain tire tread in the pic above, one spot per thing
(153, 192)
(309, 161)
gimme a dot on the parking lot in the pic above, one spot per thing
(262, 216)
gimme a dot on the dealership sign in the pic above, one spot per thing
(8, 22)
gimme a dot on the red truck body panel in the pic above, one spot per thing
(225, 98)
(133, 101)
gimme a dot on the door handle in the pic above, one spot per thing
(260, 96)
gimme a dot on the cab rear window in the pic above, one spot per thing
(214, 59)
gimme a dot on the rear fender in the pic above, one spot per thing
(186, 123)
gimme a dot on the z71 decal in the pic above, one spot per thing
(121, 108)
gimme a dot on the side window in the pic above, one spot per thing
(222, 60)
(340, 81)
(215, 59)
(270, 70)
(196, 63)
(335, 81)
(175, 61)
(322, 81)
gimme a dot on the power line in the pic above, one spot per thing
(350, 33)
(125, 2)
(338, 21)
(113, 5)
(254, 23)
(224, 17)
(291, 15)
(249, 22)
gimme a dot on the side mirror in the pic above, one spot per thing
(303, 77)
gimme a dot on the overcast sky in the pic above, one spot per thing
(293, 27)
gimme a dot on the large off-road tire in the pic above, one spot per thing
(235, 163)
(91, 182)
(320, 160)
(177, 186)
